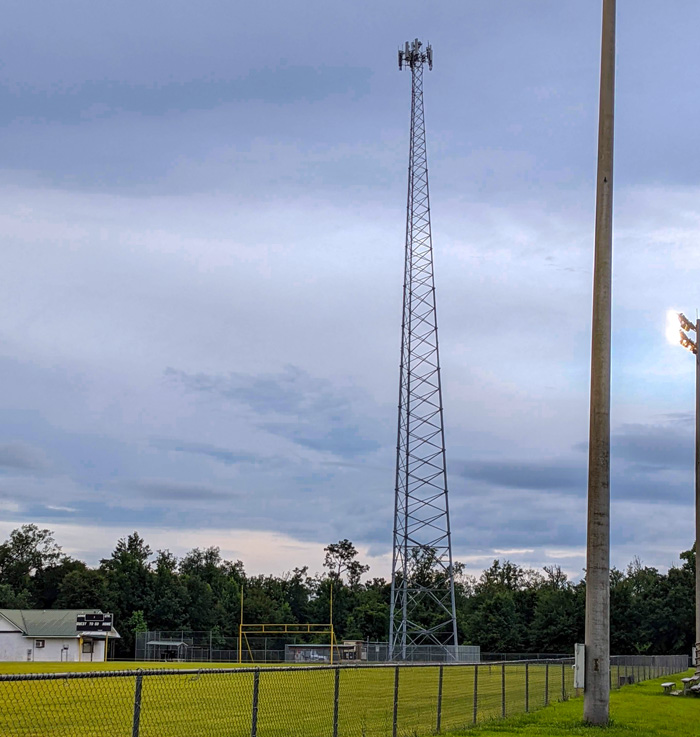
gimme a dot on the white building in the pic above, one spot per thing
(49, 635)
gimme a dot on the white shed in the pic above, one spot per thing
(49, 635)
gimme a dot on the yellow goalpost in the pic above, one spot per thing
(269, 629)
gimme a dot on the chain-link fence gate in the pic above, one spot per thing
(320, 701)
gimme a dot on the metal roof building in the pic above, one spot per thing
(49, 635)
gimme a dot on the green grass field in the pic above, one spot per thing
(641, 710)
(110, 665)
(294, 702)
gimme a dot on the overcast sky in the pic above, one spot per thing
(203, 213)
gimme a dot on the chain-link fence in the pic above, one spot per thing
(321, 701)
(380, 652)
(189, 646)
(202, 647)
(497, 657)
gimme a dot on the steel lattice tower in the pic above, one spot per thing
(422, 581)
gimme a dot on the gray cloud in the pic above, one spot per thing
(346, 440)
(22, 456)
(223, 455)
(291, 392)
(662, 447)
(319, 415)
(668, 446)
(523, 474)
(94, 99)
(166, 490)
(678, 418)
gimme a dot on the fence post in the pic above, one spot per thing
(439, 702)
(563, 681)
(476, 689)
(137, 705)
(527, 687)
(396, 701)
(546, 684)
(256, 694)
(336, 695)
(503, 690)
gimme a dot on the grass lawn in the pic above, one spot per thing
(640, 710)
(111, 665)
(290, 702)
(300, 702)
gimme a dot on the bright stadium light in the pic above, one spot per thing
(685, 322)
(672, 326)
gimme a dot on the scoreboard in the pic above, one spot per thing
(87, 623)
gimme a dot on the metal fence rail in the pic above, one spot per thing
(317, 701)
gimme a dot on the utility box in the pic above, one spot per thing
(579, 665)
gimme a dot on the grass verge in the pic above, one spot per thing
(640, 710)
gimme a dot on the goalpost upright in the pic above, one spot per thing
(267, 629)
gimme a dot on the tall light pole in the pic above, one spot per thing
(596, 699)
(692, 345)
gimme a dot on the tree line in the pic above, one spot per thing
(508, 608)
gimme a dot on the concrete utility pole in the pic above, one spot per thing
(596, 701)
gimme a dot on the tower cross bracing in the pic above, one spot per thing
(422, 581)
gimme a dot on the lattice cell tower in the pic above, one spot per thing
(422, 581)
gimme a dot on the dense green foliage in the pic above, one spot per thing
(507, 609)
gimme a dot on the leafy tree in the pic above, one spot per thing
(129, 582)
(11, 600)
(508, 608)
(26, 553)
(341, 558)
(136, 623)
(370, 616)
(493, 622)
(83, 588)
(555, 626)
(170, 594)
(49, 581)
